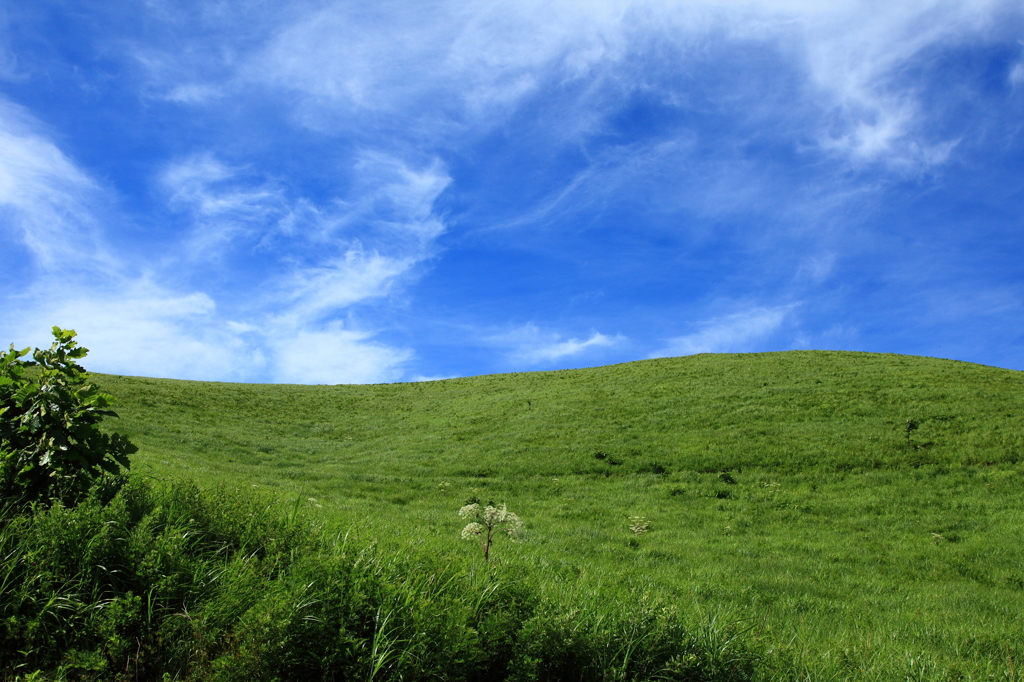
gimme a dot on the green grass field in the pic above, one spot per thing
(782, 490)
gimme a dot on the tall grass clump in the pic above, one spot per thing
(176, 583)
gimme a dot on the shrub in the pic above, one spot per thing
(51, 448)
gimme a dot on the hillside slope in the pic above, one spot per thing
(784, 488)
(786, 411)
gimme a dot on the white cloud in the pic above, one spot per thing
(131, 325)
(366, 245)
(143, 329)
(436, 72)
(137, 327)
(731, 333)
(48, 200)
(332, 257)
(397, 199)
(333, 356)
(201, 184)
(389, 208)
(312, 293)
(440, 67)
(528, 344)
(189, 183)
(854, 54)
(225, 205)
(140, 328)
(391, 57)
(560, 349)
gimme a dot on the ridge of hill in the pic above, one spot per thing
(785, 411)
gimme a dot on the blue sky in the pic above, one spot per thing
(335, 192)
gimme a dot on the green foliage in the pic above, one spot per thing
(176, 583)
(51, 446)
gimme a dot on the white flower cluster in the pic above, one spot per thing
(472, 530)
(470, 511)
(487, 518)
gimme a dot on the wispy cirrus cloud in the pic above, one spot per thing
(388, 208)
(452, 67)
(224, 206)
(200, 184)
(312, 293)
(737, 332)
(448, 65)
(530, 345)
(409, 80)
(392, 201)
(48, 200)
(856, 61)
(53, 209)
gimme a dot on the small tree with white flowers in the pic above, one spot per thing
(486, 522)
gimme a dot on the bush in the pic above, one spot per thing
(51, 448)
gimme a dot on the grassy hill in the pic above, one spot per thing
(864, 511)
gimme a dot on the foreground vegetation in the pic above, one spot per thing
(781, 489)
(178, 583)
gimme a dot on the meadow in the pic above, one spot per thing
(858, 516)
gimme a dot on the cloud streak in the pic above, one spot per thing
(446, 68)
(737, 332)
(529, 345)
(48, 199)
